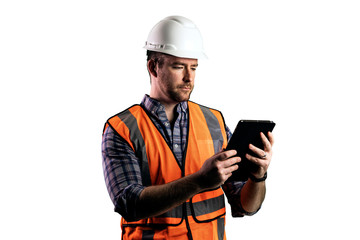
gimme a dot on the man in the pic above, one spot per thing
(163, 161)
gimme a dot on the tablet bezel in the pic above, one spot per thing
(246, 132)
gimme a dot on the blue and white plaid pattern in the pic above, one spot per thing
(175, 135)
(121, 166)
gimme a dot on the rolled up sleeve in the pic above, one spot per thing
(232, 191)
(122, 174)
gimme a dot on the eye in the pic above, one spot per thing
(178, 67)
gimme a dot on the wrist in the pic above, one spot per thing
(196, 181)
(255, 179)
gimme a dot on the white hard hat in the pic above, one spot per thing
(177, 36)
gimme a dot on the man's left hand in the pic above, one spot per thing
(263, 156)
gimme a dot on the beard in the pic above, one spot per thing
(175, 90)
(179, 94)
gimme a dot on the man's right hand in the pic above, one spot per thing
(217, 169)
(157, 199)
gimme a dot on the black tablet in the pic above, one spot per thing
(246, 132)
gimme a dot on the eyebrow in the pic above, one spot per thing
(183, 64)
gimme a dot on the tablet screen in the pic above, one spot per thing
(246, 132)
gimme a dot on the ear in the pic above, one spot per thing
(151, 65)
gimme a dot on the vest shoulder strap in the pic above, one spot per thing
(126, 126)
(216, 124)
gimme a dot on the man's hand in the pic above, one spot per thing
(157, 199)
(263, 158)
(217, 169)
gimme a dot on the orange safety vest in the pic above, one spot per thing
(203, 216)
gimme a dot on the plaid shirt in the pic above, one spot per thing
(121, 166)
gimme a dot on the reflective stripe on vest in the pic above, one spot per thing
(214, 230)
(206, 136)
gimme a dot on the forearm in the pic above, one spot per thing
(155, 200)
(252, 195)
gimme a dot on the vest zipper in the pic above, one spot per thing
(183, 175)
(187, 222)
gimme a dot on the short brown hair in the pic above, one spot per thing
(157, 57)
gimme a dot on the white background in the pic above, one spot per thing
(66, 66)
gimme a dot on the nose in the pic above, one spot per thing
(189, 75)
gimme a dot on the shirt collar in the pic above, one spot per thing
(155, 106)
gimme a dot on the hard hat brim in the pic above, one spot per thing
(181, 54)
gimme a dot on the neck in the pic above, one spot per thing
(169, 110)
(168, 105)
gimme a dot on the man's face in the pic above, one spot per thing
(176, 78)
